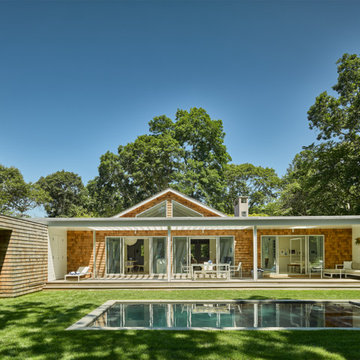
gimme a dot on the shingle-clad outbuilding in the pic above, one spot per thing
(23, 256)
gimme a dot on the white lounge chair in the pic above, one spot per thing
(235, 269)
(81, 271)
(351, 268)
(339, 270)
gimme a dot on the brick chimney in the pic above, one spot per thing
(242, 206)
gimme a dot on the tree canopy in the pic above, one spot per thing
(65, 194)
(324, 179)
(16, 196)
(260, 184)
(187, 154)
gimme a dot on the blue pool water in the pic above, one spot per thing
(229, 315)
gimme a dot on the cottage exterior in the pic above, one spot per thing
(166, 233)
(163, 237)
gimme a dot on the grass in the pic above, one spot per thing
(32, 327)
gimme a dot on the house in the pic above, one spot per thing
(169, 231)
(163, 236)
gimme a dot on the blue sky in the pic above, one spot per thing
(79, 78)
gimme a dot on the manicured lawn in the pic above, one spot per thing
(33, 327)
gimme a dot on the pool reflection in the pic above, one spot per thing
(229, 315)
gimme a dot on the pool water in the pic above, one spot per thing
(229, 315)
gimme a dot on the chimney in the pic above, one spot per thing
(242, 206)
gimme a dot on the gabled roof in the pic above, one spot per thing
(164, 192)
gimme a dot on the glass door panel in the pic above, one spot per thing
(200, 251)
(180, 255)
(316, 253)
(268, 253)
(159, 255)
(297, 255)
(227, 250)
(113, 255)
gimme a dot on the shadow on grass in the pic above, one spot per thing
(30, 329)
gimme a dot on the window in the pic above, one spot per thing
(180, 210)
(158, 210)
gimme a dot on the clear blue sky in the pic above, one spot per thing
(78, 78)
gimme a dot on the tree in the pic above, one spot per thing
(260, 184)
(66, 195)
(16, 196)
(205, 156)
(324, 179)
(139, 170)
(187, 154)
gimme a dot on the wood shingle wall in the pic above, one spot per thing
(338, 244)
(23, 256)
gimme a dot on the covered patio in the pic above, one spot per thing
(165, 249)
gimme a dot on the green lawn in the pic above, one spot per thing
(33, 327)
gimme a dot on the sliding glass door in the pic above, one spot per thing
(227, 250)
(284, 254)
(114, 249)
(268, 253)
(158, 255)
(316, 252)
(180, 255)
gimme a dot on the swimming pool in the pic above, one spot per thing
(222, 315)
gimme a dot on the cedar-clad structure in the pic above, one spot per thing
(23, 256)
(173, 237)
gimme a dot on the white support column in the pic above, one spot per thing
(94, 254)
(255, 251)
(169, 254)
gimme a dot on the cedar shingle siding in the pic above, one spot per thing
(23, 256)
(338, 244)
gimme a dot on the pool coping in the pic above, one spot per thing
(85, 321)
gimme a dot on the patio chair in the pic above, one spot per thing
(129, 266)
(317, 269)
(81, 271)
(185, 268)
(339, 270)
(235, 269)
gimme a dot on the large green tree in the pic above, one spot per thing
(65, 194)
(187, 154)
(200, 172)
(324, 179)
(140, 169)
(16, 196)
(260, 184)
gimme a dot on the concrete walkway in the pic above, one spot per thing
(294, 283)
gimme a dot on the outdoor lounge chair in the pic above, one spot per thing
(235, 269)
(81, 271)
(339, 270)
(351, 268)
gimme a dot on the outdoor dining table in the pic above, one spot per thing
(210, 268)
